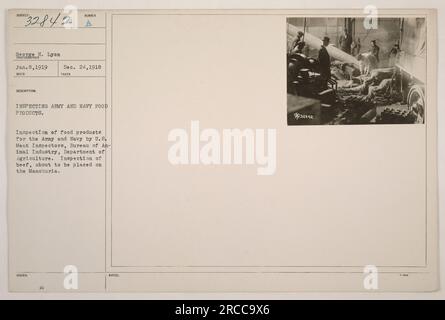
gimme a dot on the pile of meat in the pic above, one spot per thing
(361, 94)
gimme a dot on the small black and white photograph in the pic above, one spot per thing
(358, 70)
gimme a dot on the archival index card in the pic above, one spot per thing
(222, 151)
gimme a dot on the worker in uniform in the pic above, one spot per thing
(345, 41)
(325, 62)
(394, 55)
(297, 42)
(355, 47)
(375, 50)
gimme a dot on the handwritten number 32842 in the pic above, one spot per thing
(46, 20)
